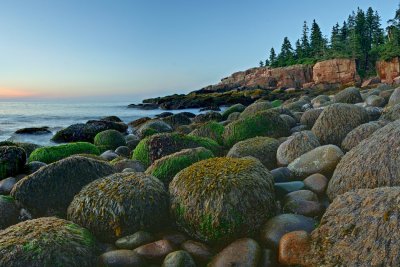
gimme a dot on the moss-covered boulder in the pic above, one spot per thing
(232, 109)
(350, 95)
(161, 145)
(220, 199)
(47, 241)
(167, 167)
(120, 205)
(208, 116)
(374, 162)
(336, 121)
(28, 147)
(177, 120)
(265, 123)
(12, 161)
(109, 140)
(255, 108)
(52, 154)
(309, 117)
(9, 212)
(262, 148)
(49, 190)
(212, 130)
(153, 127)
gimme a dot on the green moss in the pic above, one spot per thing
(142, 152)
(7, 198)
(264, 123)
(166, 168)
(276, 103)
(149, 132)
(232, 109)
(87, 238)
(54, 153)
(212, 130)
(109, 140)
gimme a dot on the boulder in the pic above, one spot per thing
(394, 97)
(177, 120)
(109, 140)
(12, 161)
(47, 241)
(9, 212)
(375, 101)
(120, 205)
(121, 258)
(365, 220)
(121, 163)
(6, 185)
(179, 258)
(232, 109)
(262, 148)
(374, 162)
(296, 145)
(220, 199)
(50, 190)
(360, 133)
(255, 107)
(349, 95)
(152, 127)
(212, 130)
(209, 116)
(336, 121)
(309, 117)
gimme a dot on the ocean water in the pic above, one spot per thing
(57, 115)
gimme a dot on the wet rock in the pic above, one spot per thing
(9, 212)
(7, 185)
(179, 258)
(12, 161)
(199, 251)
(156, 251)
(121, 258)
(282, 175)
(316, 183)
(135, 240)
(34, 130)
(283, 189)
(123, 151)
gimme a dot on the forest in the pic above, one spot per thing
(361, 37)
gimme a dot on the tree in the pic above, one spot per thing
(336, 40)
(318, 43)
(261, 63)
(305, 44)
(299, 53)
(267, 63)
(286, 56)
(272, 57)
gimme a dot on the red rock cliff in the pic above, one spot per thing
(388, 70)
(336, 71)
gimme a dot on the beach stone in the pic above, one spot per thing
(359, 167)
(200, 252)
(131, 144)
(179, 258)
(138, 122)
(309, 117)
(152, 127)
(320, 100)
(33, 166)
(109, 140)
(262, 148)
(177, 120)
(237, 108)
(290, 121)
(9, 212)
(33, 130)
(282, 189)
(46, 241)
(156, 251)
(316, 183)
(233, 116)
(209, 116)
(7, 185)
(256, 107)
(276, 227)
(176, 238)
(375, 101)
(12, 161)
(120, 205)
(336, 121)
(296, 145)
(358, 134)
(391, 113)
(282, 175)
(322, 160)
(268, 259)
(394, 97)
(212, 130)
(301, 195)
(109, 155)
(248, 198)
(123, 151)
(366, 220)
(50, 190)
(135, 240)
(121, 258)
(293, 247)
(243, 252)
(122, 164)
(304, 207)
(350, 95)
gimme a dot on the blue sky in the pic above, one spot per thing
(120, 48)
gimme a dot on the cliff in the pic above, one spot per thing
(388, 70)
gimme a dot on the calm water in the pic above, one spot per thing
(56, 115)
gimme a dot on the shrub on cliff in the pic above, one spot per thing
(220, 199)
(47, 241)
(160, 145)
(120, 205)
(167, 167)
(51, 154)
(264, 123)
(109, 140)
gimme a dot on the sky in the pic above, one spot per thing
(131, 49)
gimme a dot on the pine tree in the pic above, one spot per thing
(318, 43)
(336, 40)
(261, 63)
(286, 56)
(272, 57)
(305, 43)
(267, 63)
(299, 52)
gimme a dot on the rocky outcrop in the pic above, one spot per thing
(339, 71)
(388, 70)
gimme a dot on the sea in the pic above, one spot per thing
(60, 114)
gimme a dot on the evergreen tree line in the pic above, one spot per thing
(361, 37)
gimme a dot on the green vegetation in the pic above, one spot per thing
(212, 130)
(109, 140)
(51, 154)
(231, 109)
(361, 37)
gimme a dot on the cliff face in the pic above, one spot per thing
(388, 70)
(336, 71)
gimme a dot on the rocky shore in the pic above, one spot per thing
(264, 183)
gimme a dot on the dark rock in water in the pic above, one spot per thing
(12, 161)
(111, 118)
(121, 258)
(47, 241)
(135, 240)
(138, 122)
(365, 220)
(156, 251)
(145, 106)
(213, 108)
(276, 227)
(28, 147)
(242, 252)
(164, 114)
(33, 166)
(50, 190)
(33, 130)
(179, 258)
(120, 205)
(9, 213)
(177, 120)
(200, 252)
(188, 114)
(87, 132)
(7, 185)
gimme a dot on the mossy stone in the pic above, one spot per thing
(109, 140)
(212, 130)
(232, 109)
(12, 161)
